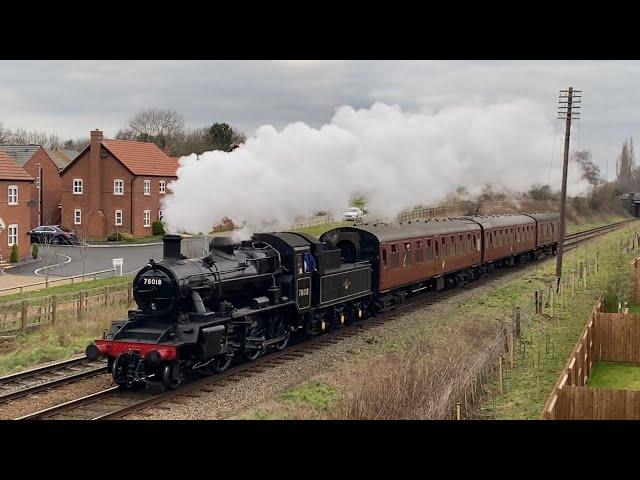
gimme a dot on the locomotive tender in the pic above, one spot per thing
(241, 301)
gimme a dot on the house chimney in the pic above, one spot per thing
(95, 169)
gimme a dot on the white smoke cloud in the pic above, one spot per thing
(397, 159)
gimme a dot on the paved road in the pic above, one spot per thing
(69, 258)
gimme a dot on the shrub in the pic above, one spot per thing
(35, 250)
(127, 237)
(114, 237)
(157, 228)
(15, 256)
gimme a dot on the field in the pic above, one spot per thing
(621, 376)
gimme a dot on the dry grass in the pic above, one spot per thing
(421, 382)
(65, 338)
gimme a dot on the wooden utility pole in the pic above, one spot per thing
(567, 110)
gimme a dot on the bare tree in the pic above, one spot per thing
(82, 232)
(590, 171)
(49, 252)
(157, 125)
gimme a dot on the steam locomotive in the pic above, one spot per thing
(241, 301)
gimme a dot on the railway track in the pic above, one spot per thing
(114, 403)
(39, 379)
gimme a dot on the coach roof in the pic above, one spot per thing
(389, 232)
(503, 221)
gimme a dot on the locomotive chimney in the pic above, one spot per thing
(171, 244)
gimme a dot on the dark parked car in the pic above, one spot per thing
(53, 234)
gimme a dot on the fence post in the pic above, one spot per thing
(129, 294)
(80, 305)
(54, 308)
(458, 411)
(511, 349)
(24, 306)
(516, 320)
(500, 365)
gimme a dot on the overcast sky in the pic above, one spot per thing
(73, 97)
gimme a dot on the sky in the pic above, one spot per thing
(71, 98)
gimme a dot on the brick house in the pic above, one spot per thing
(44, 166)
(15, 195)
(115, 186)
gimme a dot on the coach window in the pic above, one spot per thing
(394, 256)
(384, 257)
(429, 250)
(443, 247)
(406, 257)
(418, 252)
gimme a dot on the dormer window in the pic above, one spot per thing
(77, 186)
(118, 187)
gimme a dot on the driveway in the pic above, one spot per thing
(66, 260)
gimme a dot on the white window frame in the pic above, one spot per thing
(77, 182)
(77, 216)
(10, 189)
(115, 220)
(162, 186)
(121, 182)
(146, 218)
(146, 188)
(10, 241)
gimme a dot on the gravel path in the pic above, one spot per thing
(228, 401)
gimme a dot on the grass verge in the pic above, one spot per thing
(67, 288)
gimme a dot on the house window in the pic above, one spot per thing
(77, 186)
(13, 235)
(118, 220)
(77, 217)
(161, 186)
(13, 195)
(118, 187)
(147, 187)
(147, 218)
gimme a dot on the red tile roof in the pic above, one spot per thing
(142, 158)
(10, 170)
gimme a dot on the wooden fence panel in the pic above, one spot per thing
(584, 403)
(618, 337)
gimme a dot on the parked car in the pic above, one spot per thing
(53, 234)
(352, 214)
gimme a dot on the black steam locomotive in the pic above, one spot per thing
(241, 301)
(238, 301)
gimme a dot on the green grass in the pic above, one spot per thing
(67, 288)
(634, 308)
(149, 239)
(620, 376)
(582, 226)
(312, 394)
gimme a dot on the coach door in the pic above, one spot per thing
(304, 268)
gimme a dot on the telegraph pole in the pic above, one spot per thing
(568, 108)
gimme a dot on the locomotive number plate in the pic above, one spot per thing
(152, 281)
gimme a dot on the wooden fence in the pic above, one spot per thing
(613, 337)
(618, 337)
(33, 312)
